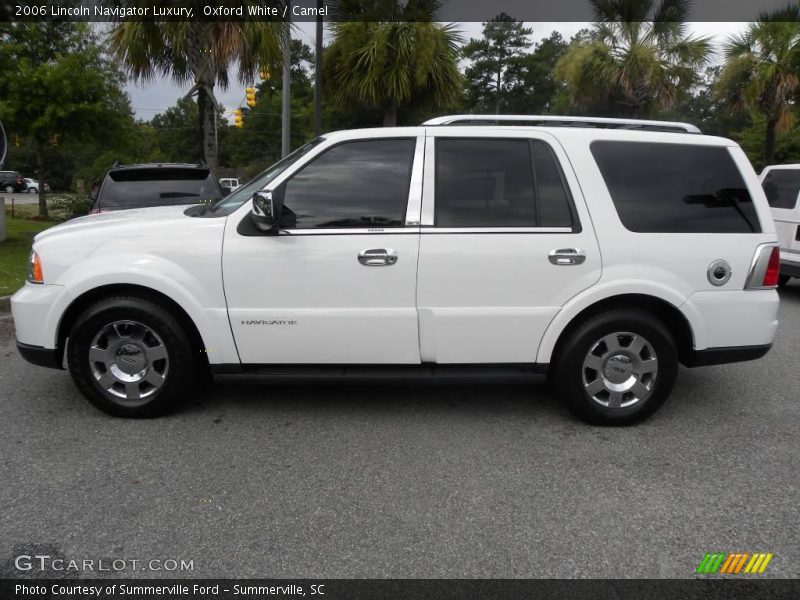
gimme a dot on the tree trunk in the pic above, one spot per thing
(498, 102)
(390, 114)
(208, 132)
(40, 176)
(769, 142)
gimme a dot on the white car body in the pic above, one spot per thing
(787, 222)
(463, 296)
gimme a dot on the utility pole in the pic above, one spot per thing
(286, 96)
(318, 74)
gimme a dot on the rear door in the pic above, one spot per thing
(506, 241)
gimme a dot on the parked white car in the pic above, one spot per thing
(230, 183)
(603, 253)
(782, 186)
(33, 186)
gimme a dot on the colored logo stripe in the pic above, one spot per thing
(733, 562)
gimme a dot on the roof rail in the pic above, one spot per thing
(559, 121)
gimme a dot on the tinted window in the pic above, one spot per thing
(484, 183)
(355, 184)
(552, 199)
(498, 183)
(675, 188)
(136, 188)
(781, 187)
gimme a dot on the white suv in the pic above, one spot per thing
(782, 186)
(601, 252)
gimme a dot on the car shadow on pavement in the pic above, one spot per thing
(259, 394)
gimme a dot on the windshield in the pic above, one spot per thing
(242, 194)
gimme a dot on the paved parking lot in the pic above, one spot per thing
(253, 479)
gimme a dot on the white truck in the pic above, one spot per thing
(600, 252)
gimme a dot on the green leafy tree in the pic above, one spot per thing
(200, 53)
(761, 72)
(64, 90)
(391, 57)
(639, 58)
(498, 62)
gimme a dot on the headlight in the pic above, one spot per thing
(35, 269)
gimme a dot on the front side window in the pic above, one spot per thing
(485, 182)
(781, 187)
(675, 188)
(354, 184)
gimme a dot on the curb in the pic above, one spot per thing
(5, 304)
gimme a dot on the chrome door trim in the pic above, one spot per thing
(438, 230)
(429, 184)
(414, 206)
(353, 231)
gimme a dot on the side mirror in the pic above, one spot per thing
(265, 213)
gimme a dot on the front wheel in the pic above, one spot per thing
(130, 357)
(617, 368)
(33, 191)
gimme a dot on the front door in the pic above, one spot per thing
(338, 284)
(505, 242)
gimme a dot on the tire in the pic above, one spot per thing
(604, 370)
(33, 190)
(9, 189)
(131, 358)
(783, 280)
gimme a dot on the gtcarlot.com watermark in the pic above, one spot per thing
(45, 563)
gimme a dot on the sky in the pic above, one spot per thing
(158, 95)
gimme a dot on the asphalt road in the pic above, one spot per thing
(19, 199)
(253, 479)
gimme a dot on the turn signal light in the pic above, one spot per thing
(35, 269)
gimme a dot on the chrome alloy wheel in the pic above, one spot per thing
(129, 361)
(620, 370)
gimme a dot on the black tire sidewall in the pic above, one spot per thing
(180, 376)
(567, 376)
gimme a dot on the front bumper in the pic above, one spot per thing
(41, 357)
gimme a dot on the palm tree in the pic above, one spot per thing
(200, 52)
(384, 56)
(761, 72)
(638, 58)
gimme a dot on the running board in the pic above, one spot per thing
(509, 372)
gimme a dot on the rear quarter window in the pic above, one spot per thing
(781, 187)
(675, 188)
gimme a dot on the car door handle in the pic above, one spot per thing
(377, 257)
(567, 256)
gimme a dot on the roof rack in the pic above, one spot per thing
(559, 121)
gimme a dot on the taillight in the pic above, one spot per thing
(766, 268)
(773, 268)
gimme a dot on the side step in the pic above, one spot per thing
(511, 372)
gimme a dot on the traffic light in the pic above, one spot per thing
(237, 118)
(251, 96)
(264, 74)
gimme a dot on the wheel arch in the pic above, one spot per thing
(89, 297)
(675, 320)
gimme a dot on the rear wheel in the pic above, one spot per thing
(33, 190)
(9, 189)
(130, 357)
(617, 368)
